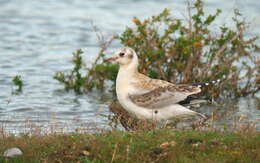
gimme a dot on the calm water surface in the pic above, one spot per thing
(37, 38)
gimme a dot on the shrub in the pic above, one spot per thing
(184, 52)
(18, 82)
(73, 79)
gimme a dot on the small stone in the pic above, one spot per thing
(12, 152)
(168, 144)
(86, 153)
(196, 144)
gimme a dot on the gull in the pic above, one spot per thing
(147, 98)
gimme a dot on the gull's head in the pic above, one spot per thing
(124, 57)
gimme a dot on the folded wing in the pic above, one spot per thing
(163, 96)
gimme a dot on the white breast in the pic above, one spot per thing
(123, 89)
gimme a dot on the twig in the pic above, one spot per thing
(221, 50)
(103, 44)
(114, 153)
(189, 18)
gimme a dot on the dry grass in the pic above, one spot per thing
(137, 146)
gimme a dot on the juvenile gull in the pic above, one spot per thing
(147, 98)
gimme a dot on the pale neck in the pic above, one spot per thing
(130, 68)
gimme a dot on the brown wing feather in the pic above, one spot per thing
(164, 95)
(149, 83)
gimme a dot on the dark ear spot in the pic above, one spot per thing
(131, 56)
(121, 54)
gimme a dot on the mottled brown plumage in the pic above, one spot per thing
(145, 97)
(164, 95)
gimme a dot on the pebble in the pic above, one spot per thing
(86, 153)
(168, 144)
(11, 152)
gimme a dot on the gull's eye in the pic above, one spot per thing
(121, 54)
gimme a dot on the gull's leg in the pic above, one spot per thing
(165, 124)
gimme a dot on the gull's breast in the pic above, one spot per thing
(123, 90)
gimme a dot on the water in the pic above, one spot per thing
(38, 37)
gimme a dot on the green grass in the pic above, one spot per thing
(138, 146)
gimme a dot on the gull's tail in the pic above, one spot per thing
(204, 84)
(193, 100)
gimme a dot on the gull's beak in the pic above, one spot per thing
(111, 59)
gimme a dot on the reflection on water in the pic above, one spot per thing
(37, 38)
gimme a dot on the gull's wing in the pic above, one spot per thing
(163, 95)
